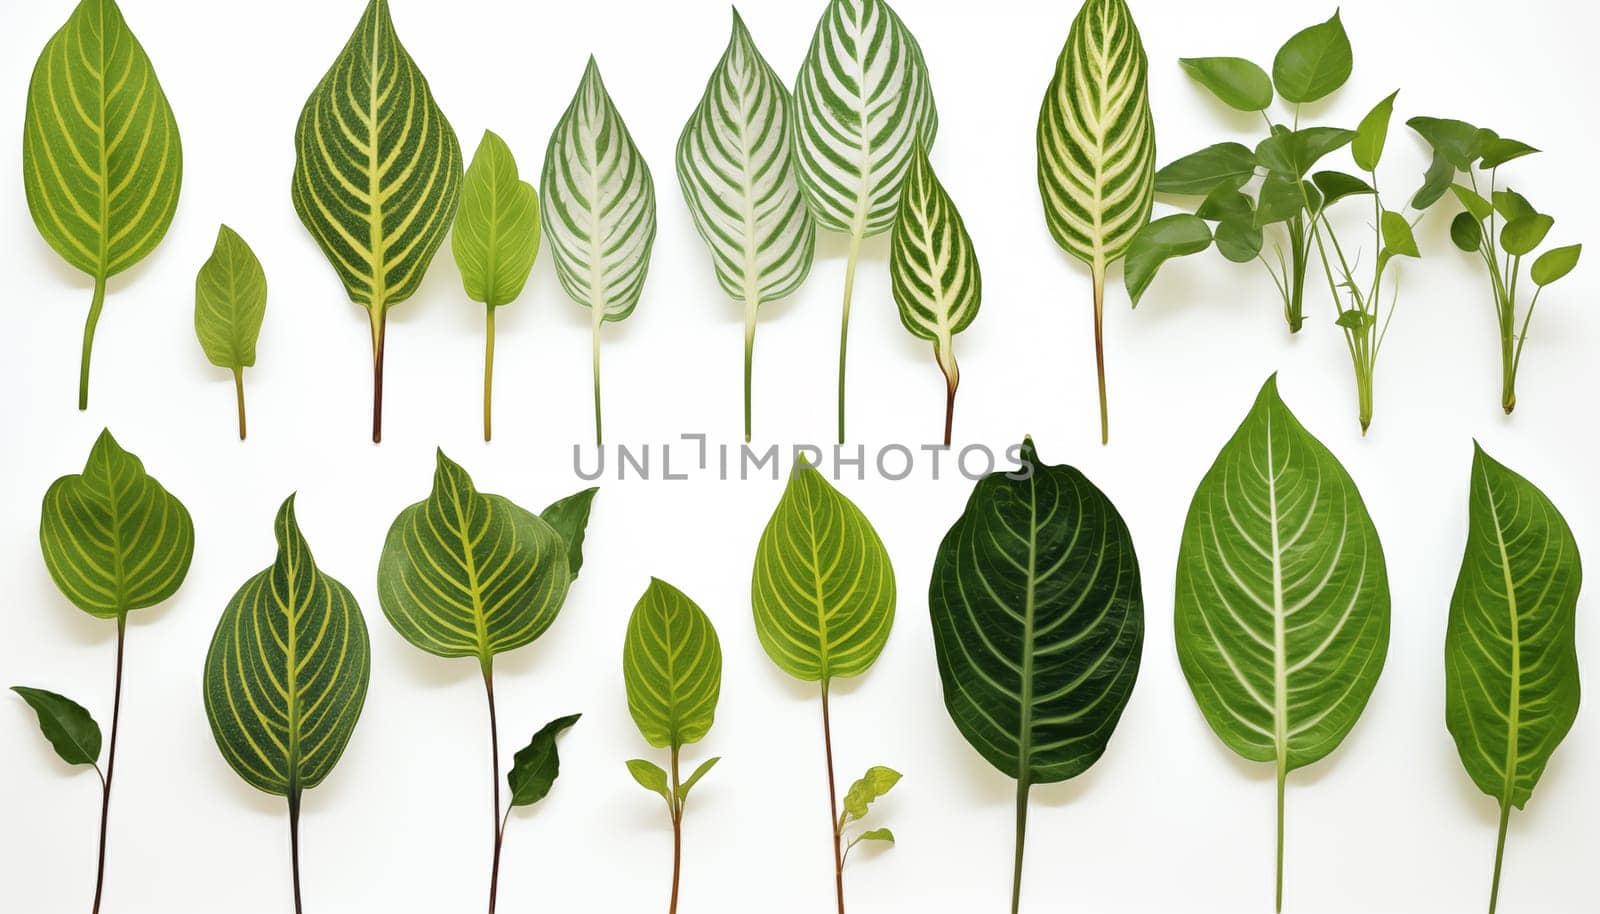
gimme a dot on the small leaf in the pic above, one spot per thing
(70, 729)
(1555, 263)
(1480, 208)
(1354, 319)
(1524, 233)
(1372, 134)
(570, 517)
(1199, 173)
(1466, 232)
(1314, 63)
(671, 667)
(1457, 141)
(230, 300)
(1336, 185)
(1512, 205)
(1170, 236)
(1226, 203)
(1499, 151)
(864, 792)
(1238, 239)
(1295, 153)
(705, 767)
(1398, 240)
(876, 834)
(535, 767)
(650, 777)
(1237, 82)
(496, 234)
(1435, 182)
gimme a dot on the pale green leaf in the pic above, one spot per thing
(1398, 239)
(496, 234)
(672, 667)
(876, 834)
(1480, 208)
(230, 300)
(700, 772)
(650, 776)
(1555, 263)
(1512, 205)
(1372, 134)
(1239, 83)
(67, 725)
(867, 789)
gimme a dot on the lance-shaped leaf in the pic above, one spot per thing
(101, 157)
(570, 517)
(599, 211)
(933, 271)
(468, 574)
(1038, 624)
(672, 667)
(230, 301)
(1177, 235)
(862, 101)
(1097, 150)
(377, 175)
(113, 538)
(1511, 662)
(738, 177)
(494, 241)
(1282, 605)
(67, 725)
(535, 767)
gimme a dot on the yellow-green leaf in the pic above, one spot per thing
(230, 300)
(672, 667)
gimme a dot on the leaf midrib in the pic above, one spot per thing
(1280, 671)
(105, 159)
(1514, 705)
(1025, 719)
(469, 562)
(375, 240)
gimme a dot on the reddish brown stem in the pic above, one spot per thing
(378, 332)
(833, 801)
(111, 762)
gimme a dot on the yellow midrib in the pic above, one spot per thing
(375, 240)
(1514, 708)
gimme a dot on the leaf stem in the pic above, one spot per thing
(238, 393)
(95, 306)
(833, 801)
(494, 774)
(1499, 853)
(677, 833)
(844, 334)
(111, 761)
(488, 373)
(598, 317)
(751, 305)
(380, 320)
(1100, 348)
(294, 844)
(1282, 777)
(1023, 786)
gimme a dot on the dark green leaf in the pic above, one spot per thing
(1458, 141)
(1226, 203)
(1466, 232)
(1237, 82)
(1238, 239)
(1398, 240)
(1336, 185)
(1352, 319)
(1555, 263)
(650, 777)
(1524, 233)
(1512, 205)
(1280, 200)
(1499, 151)
(534, 768)
(867, 789)
(705, 766)
(1170, 236)
(1314, 63)
(1295, 153)
(70, 729)
(1199, 173)
(570, 517)
(1372, 134)
(1474, 203)
(1435, 182)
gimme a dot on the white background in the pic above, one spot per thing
(1168, 821)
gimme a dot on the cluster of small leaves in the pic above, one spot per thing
(867, 790)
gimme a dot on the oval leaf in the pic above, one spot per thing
(933, 271)
(496, 233)
(823, 589)
(1237, 82)
(68, 726)
(861, 101)
(113, 539)
(1170, 236)
(1512, 205)
(1239, 240)
(1466, 232)
(287, 671)
(466, 574)
(1524, 233)
(535, 767)
(1314, 63)
(1224, 165)
(650, 776)
(1555, 263)
(1372, 133)
(672, 667)
(230, 300)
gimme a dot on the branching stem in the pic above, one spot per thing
(111, 762)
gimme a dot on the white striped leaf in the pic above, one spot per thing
(1511, 662)
(1097, 150)
(287, 671)
(101, 158)
(1038, 624)
(861, 102)
(377, 175)
(933, 271)
(114, 539)
(230, 301)
(599, 210)
(737, 172)
(1282, 604)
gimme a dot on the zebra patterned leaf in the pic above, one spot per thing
(102, 162)
(496, 234)
(823, 588)
(287, 671)
(467, 574)
(113, 539)
(1097, 149)
(377, 174)
(933, 271)
(672, 667)
(230, 301)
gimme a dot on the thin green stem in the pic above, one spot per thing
(752, 304)
(1100, 349)
(597, 319)
(294, 844)
(1499, 853)
(833, 801)
(488, 374)
(238, 393)
(1282, 776)
(95, 305)
(1022, 833)
(111, 762)
(844, 325)
(494, 775)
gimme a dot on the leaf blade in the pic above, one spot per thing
(495, 237)
(1314, 63)
(66, 725)
(230, 302)
(535, 767)
(1238, 83)
(672, 667)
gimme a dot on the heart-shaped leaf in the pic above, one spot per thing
(599, 211)
(67, 725)
(1555, 263)
(377, 175)
(933, 271)
(672, 667)
(1178, 235)
(1282, 605)
(1038, 623)
(287, 671)
(230, 301)
(1511, 664)
(1296, 152)
(101, 157)
(1239, 83)
(1372, 134)
(1224, 165)
(1281, 199)
(1512, 205)
(737, 171)
(535, 767)
(1314, 63)
(1524, 233)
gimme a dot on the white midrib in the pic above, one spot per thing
(597, 294)
(1514, 708)
(1280, 660)
(752, 288)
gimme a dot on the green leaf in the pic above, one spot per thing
(570, 518)
(466, 574)
(230, 300)
(1555, 263)
(1480, 208)
(1457, 141)
(534, 768)
(599, 211)
(1282, 604)
(377, 175)
(1355, 320)
(287, 671)
(739, 179)
(1238, 239)
(1226, 203)
(1224, 165)
(1499, 151)
(1239, 83)
(1372, 134)
(867, 789)
(1511, 664)
(113, 539)
(496, 233)
(1314, 63)
(823, 590)
(1295, 153)
(1280, 200)
(1524, 233)
(650, 777)
(101, 159)
(933, 270)
(705, 767)
(1466, 232)
(1512, 205)
(1336, 185)
(875, 834)
(1172, 236)
(1097, 149)
(672, 667)
(1435, 182)
(1398, 240)
(70, 728)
